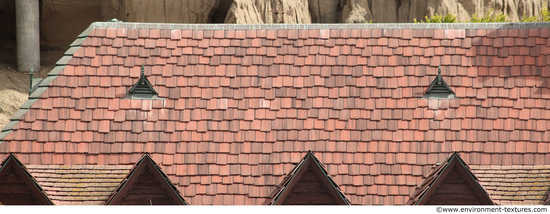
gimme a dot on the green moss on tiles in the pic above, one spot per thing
(86, 180)
(82, 185)
(72, 193)
(70, 185)
(519, 198)
(66, 176)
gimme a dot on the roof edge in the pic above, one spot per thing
(44, 84)
(43, 197)
(440, 173)
(175, 26)
(284, 185)
(114, 196)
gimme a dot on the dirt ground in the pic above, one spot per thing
(14, 89)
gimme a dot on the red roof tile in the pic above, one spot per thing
(270, 95)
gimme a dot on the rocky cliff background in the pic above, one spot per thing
(62, 20)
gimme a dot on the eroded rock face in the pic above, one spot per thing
(245, 11)
(377, 11)
(295, 12)
(385, 11)
(326, 11)
(269, 11)
(62, 20)
(464, 9)
(357, 11)
(166, 11)
(409, 10)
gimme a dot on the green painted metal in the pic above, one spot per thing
(439, 89)
(142, 88)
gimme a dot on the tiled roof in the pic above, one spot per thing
(79, 184)
(527, 185)
(241, 104)
(450, 183)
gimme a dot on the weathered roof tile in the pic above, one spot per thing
(313, 89)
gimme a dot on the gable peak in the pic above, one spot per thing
(142, 89)
(308, 183)
(439, 89)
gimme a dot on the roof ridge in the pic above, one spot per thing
(427, 26)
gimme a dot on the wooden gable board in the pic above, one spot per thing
(146, 184)
(451, 184)
(18, 186)
(309, 184)
(547, 200)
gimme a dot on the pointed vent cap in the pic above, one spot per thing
(439, 89)
(142, 89)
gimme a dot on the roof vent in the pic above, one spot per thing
(439, 89)
(142, 89)
(35, 82)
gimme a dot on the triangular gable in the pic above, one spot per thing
(142, 88)
(451, 183)
(439, 89)
(18, 186)
(308, 184)
(146, 184)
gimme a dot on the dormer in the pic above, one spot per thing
(439, 89)
(142, 89)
